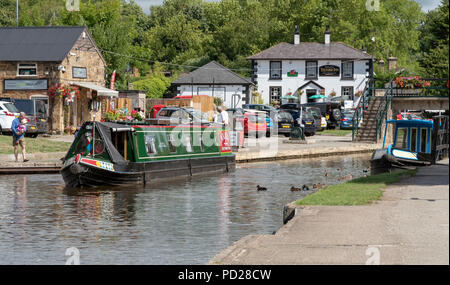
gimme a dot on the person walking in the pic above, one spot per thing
(18, 129)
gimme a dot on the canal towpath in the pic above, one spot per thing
(409, 225)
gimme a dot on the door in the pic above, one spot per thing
(309, 93)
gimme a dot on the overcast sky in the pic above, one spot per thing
(145, 4)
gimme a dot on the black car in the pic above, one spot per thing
(36, 112)
(285, 122)
(330, 110)
(307, 120)
(317, 117)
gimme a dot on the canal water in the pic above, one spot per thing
(184, 222)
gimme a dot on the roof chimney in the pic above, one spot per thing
(363, 49)
(327, 35)
(296, 36)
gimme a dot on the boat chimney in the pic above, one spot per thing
(296, 36)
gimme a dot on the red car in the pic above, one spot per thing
(255, 124)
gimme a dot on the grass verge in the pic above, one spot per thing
(359, 191)
(33, 145)
(334, 132)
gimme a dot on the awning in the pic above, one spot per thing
(101, 91)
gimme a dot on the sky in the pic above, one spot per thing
(145, 4)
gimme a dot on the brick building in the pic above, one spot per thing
(33, 60)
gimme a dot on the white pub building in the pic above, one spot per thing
(332, 69)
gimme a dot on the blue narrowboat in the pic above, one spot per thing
(415, 143)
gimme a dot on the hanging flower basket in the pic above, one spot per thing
(64, 91)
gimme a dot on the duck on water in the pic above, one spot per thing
(124, 153)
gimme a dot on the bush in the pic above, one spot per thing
(154, 86)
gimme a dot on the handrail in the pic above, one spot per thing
(360, 106)
(383, 108)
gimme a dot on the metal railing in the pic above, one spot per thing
(361, 107)
(384, 108)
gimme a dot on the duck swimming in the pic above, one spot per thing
(261, 188)
(293, 189)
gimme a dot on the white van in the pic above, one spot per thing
(8, 112)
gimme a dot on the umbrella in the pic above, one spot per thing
(288, 97)
(318, 97)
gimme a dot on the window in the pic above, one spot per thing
(150, 146)
(172, 143)
(401, 139)
(275, 70)
(347, 70)
(27, 69)
(187, 142)
(347, 92)
(413, 140)
(423, 139)
(275, 94)
(311, 69)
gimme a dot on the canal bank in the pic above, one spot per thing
(408, 225)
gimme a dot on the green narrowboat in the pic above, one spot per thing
(106, 153)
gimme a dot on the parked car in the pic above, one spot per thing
(271, 115)
(36, 114)
(307, 120)
(285, 122)
(317, 117)
(8, 112)
(178, 115)
(330, 110)
(254, 124)
(347, 120)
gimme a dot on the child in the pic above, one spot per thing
(21, 128)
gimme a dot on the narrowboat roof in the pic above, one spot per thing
(411, 123)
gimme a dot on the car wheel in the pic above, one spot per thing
(287, 135)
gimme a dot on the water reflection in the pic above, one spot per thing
(184, 222)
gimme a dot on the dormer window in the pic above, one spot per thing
(27, 69)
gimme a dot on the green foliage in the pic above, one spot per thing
(434, 44)
(155, 85)
(218, 101)
(186, 33)
(359, 191)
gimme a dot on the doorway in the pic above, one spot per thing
(309, 93)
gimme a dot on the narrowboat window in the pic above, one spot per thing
(187, 143)
(413, 139)
(150, 146)
(423, 139)
(172, 143)
(401, 140)
(202, 146)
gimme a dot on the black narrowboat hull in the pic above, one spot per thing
(82, 175)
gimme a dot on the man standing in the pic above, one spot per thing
(18, 135)
(221, 117)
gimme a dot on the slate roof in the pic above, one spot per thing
(37, 43)
(212, 72)
(334, 50)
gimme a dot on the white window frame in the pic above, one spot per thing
(27, 65)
